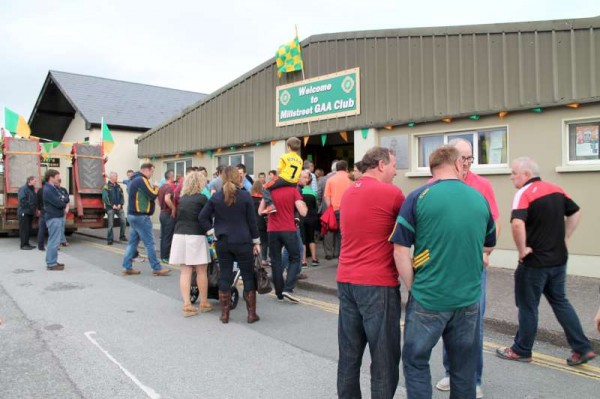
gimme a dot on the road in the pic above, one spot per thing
(89, 332)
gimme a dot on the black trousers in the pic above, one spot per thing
(25, 222)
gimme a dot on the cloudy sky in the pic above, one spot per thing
(203, 45)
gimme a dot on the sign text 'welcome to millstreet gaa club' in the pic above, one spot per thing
(324, 97)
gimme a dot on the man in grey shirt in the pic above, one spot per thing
(216, 184)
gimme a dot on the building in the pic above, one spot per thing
(514, 89)
(70, 108)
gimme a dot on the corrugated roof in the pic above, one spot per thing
(417, 74)
(125, 104)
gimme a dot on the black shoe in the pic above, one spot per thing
(109, 243)
(41, 248)
(315, 262)
(27, 247)
(328, 257)
(124, 239)
(58, 266)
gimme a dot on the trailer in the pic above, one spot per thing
(22, 158)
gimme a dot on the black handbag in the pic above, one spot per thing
(213, 274)
(263, 283)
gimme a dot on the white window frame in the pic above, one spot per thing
(175, 161)
(493, 169)
(243, 154)
(587, 165)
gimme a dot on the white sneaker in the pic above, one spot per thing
(443, 384)
(290, 297)
(139, 258)
(478, 392)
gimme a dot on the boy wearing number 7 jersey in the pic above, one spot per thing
(288, 170)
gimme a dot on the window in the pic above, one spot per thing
(178, 166)
(247, 158)
(583, 142)
(489, 146)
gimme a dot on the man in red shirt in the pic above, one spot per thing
(167, 215)
(367, 277)
(281, 227)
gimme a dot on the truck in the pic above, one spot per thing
(22, 158)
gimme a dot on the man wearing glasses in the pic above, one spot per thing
(484, 187)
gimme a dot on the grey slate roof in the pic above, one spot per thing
(121, 103)
(127, 105)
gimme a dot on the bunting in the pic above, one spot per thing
(16, 124)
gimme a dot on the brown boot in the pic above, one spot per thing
(250, 298)
(225, 301)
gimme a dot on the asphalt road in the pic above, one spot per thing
(90, 332)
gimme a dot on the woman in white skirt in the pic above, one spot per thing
(190, 247)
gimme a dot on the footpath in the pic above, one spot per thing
(501, 311)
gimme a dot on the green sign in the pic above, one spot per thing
(324, 97)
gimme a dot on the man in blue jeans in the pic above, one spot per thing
(55, 203)
(281, 228)
(142, 196)
(543, 219)
(367, 279)
(444, 276)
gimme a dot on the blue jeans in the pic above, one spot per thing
(285, 256)
(422, 330)
(54, 234)
(480, 348)
(368, 315)
(277, 241)
(530, 284)
(63, 239)
(110, 216)
(141, 229)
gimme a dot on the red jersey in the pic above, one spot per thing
(368, 214)
(284, 199)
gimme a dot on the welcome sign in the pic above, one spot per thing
(325, 97)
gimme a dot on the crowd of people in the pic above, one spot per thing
(436, 241)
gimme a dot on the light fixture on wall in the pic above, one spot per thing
(502, 114)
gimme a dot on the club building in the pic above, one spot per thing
(515, 89)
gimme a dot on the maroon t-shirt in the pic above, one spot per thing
(165, 189)
(284, 199)
(368, 215)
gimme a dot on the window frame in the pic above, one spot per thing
(499, 168)
(243, 155)
(566, 149)
(174, 161)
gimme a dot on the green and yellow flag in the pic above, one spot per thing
(47, 147)
(289, 57)
(16, 124)
(107, 139)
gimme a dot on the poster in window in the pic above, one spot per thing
(398, 144)
(586, 144)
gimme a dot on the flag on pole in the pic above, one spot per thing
(289, 57)
(107, 139)
(16, 124)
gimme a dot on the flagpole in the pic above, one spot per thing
(303, 75)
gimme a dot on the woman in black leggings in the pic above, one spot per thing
(231, 213)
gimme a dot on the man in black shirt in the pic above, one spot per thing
(543, 219)
(26, 211)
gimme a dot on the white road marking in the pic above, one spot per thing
(149, 391)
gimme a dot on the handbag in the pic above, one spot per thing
(263, 283)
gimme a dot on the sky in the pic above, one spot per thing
(203, 45)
